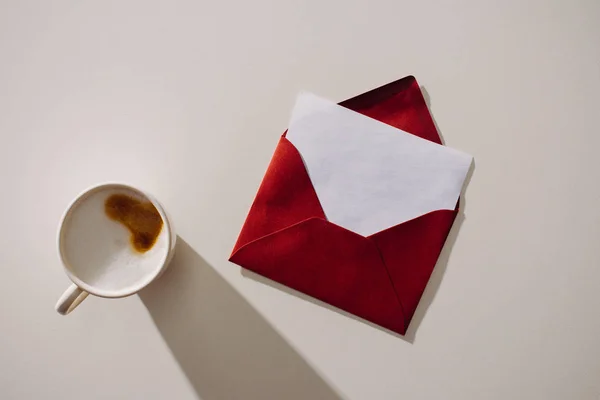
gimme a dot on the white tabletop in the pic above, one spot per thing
(187, 99)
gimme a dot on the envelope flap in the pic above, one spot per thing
(331, 264)
(399, 104)
(285, 197)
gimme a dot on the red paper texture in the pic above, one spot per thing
(287, 238)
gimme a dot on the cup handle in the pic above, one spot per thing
(70, 299)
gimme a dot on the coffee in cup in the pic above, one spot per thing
(113, 241)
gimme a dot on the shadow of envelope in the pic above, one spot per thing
(226, 349)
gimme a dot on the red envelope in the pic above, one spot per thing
(287, 237)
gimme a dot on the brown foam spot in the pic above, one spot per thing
(141, 218)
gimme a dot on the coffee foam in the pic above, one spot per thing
(98, 250)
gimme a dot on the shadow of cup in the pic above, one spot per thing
(226, 349)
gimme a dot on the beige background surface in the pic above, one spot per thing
(187, 99)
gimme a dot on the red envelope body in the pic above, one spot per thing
(287, 238)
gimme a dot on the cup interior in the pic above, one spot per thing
(97, 251)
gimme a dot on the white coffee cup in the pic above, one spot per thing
(96, 251)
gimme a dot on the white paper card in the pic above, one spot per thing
(370, 176)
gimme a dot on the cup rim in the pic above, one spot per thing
(134, 288)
